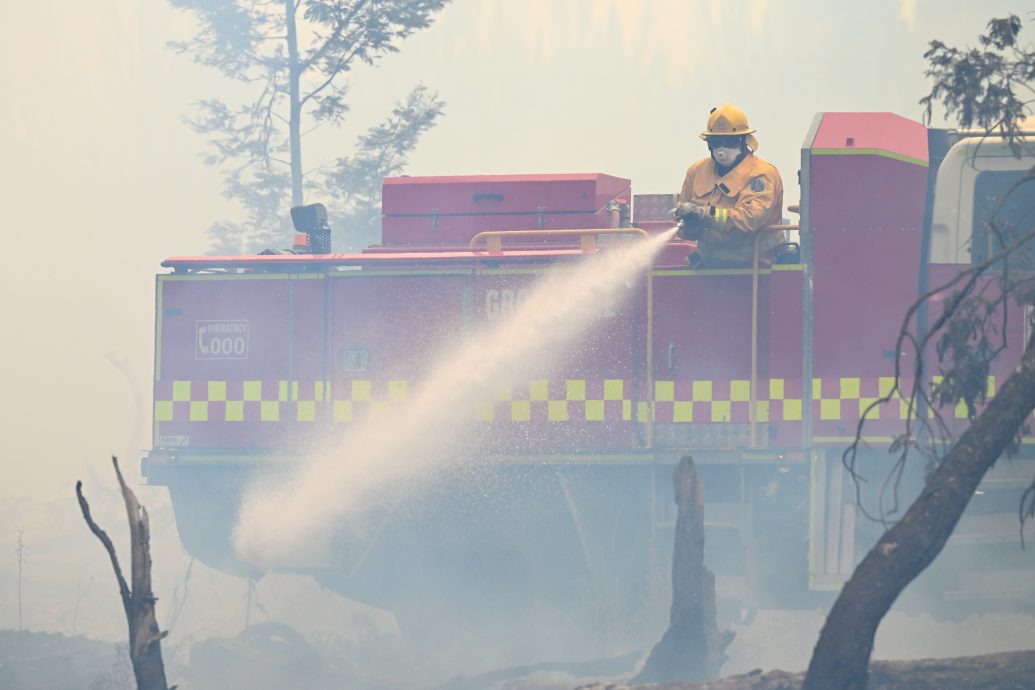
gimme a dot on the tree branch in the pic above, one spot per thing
(124, 593)
(917, 398)
(326, 82)
(334, 37)
(139, 602)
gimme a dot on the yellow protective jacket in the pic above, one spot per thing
(741, 203)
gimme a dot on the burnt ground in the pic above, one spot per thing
(275, 657)
(45, 661)
(268, 656)
(1004, 671)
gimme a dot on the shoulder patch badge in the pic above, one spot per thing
(757, 185)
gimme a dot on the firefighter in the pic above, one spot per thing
(730, 197)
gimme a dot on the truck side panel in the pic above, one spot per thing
(225, 358)
(586, 400)
(702, 358)
(866, 220)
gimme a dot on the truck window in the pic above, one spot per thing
(1017, 214)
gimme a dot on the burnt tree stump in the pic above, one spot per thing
(692, 649)
(145, 650)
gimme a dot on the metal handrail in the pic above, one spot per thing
(753, 392)
(587, 237)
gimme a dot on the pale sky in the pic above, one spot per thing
(102, 179)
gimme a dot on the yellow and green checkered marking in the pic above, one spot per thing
(615, 400)
(849, 403)
(291, 396)
(520, 402)
(302, 400)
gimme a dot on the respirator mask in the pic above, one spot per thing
(725, 156)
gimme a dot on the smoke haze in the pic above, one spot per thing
(102, 180)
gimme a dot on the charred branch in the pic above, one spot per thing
(138, 601)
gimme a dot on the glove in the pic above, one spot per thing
(690, 211)
(689, 231)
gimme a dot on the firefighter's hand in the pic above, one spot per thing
(690, 211)
(689, 229)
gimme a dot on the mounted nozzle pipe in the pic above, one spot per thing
(618, 211)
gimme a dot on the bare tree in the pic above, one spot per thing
(20, 551)
(978, 86)
(296, 55)
(138, 602)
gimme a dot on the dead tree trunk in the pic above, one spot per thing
(145, 650)
(692, 647)
(842, 654)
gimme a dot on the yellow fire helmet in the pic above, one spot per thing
(729, 120)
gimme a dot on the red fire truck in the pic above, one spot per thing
(760, 374)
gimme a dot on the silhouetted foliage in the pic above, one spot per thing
(354, 182)
(977, 86)
(294, 56)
